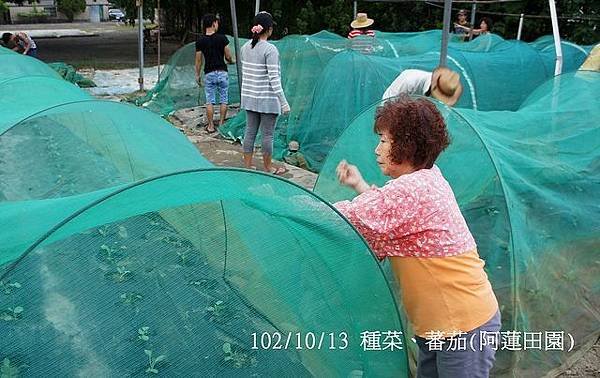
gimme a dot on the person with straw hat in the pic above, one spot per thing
(462, 27)
(361, 37)
(360, 26)
(442, 84)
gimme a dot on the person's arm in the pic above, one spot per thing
(25, 40)
(228, 55)
(379, 212)
(350, 176)
(462, 26)
(272, 58)
(475, 31)
(198, 66)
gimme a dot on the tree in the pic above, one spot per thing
(579, 18)
(71, 7)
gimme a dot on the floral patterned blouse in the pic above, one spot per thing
(414, 215)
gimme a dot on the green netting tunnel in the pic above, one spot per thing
(169, 266)
(527, 183)
(328, 82)
(60, 148)
(178, 89)
(124, 252)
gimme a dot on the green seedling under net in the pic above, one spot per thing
(152, 362)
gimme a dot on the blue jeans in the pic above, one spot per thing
(216, 81)
(474, 361)
(32, 53)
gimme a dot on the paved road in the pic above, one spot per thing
(113, 46)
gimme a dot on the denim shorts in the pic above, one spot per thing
(216, 81)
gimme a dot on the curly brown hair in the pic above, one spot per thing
(417, 130)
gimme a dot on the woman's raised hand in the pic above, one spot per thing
(349, 175)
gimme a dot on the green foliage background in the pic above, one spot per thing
(71, 7)
(310, 16)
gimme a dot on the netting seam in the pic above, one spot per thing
(45, 110)
(226, 241)
(508, 212)
(30, 76)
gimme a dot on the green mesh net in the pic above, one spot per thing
(17, 95)
(527, 183)
(78, 149)
(69, 73)
(177, 88)
(123, 253)
(328, 80)
(169, 267)
(58, 142)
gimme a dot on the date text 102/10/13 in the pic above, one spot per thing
(300, 340)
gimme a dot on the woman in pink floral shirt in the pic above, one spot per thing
(414, 220)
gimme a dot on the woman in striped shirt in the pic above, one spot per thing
(262, 93)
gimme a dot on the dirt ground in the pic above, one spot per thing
(113, 46)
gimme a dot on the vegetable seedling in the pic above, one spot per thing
(11, 314)
(204, 283)
(130, 298)
(103, 230)
(237, 357)
(109, 253)
(121, 275)
(144, 333)
(219, 312)
(8, 287)
(178, 243)
(184, 256)
(152, 362)
(123, 234)
(9, 369)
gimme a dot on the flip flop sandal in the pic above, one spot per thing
(279, 171)
(210, 131)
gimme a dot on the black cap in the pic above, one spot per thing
(264, 19)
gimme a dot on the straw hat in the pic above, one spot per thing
(361, 21)
(293, 146)
(592, 63)
(446, 86)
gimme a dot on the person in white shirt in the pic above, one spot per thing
(442, 84)
(20, 41)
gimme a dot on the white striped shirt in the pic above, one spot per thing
(261, 79)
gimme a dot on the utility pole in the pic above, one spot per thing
(158, 41)
(556, 33)
(236, 42)
(445, 33)
(140, 5)
(473, 11)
